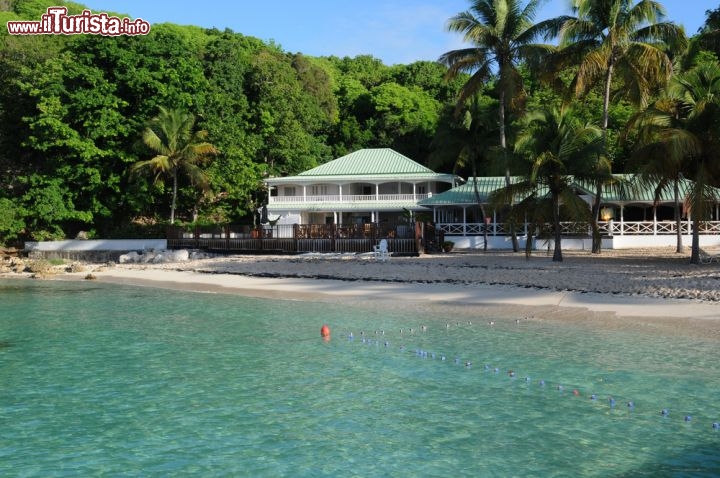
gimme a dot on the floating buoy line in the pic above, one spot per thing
(379, 339)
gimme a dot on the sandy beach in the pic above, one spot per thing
(655, 290)
(652, 289)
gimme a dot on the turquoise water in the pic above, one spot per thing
(104, 380)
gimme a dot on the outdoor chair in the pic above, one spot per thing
(707, 257)
(381, 250)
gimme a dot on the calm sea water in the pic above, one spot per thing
(103, 380)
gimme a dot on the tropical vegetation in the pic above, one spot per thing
(81, 116)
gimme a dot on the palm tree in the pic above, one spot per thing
(179, 149)
(464, 143)
(559, 149)
(616, 43)
(502, 34)
(687, 135)
(659, 159)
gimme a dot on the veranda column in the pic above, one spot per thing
(622, 219)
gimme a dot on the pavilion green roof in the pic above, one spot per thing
(371, 162)
(627, 190)
(465, 193)
(630, 188)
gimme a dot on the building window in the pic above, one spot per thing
(321, 190)
(420, 189)
(289, 191)
(366, 190)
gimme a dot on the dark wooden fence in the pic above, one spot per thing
(403, 239)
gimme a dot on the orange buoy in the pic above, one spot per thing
(325, 331)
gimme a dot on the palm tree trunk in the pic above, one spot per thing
(606, 104)
(597, 238)
(557, 253)
(594, 218)
(174, 198)
(482, 208)
(696, 214)
(695, 255)
(503, 145)
(678, 224)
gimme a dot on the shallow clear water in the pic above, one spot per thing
(103, 380)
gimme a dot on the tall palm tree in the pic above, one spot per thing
(502, 34)
(618, 43)
(559, 149)
(687, 133)
(179, 149)
(659, 159)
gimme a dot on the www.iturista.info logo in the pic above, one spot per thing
(57, 22)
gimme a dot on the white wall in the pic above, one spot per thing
(477, 242)
(583, 244)
(633, 242)
(98, 245)
(286, 217)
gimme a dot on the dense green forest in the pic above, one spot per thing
(73, 110)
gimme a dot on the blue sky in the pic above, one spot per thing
(395, 31)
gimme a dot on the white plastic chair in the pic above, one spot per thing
(381, 250)
(708, 257)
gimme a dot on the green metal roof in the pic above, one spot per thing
(369, 165)
(465, 194)
(629, 189)
(369, 162)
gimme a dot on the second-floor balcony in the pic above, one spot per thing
(348, 198)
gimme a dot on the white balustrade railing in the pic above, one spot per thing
(348, 198)
(609, 228)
